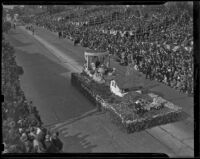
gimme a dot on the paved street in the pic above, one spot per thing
(47, 63)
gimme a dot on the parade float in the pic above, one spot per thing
(135, 107)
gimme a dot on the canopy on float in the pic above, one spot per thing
(92, 54)
(95, 53)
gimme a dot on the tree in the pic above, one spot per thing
(146, 15)
(17, 10)
(137, 13)
(59, 8)
(50, 9)
(4, 13)
(6, 26)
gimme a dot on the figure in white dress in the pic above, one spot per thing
(115, 89)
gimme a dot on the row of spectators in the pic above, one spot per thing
(22, 126)
(159, 45)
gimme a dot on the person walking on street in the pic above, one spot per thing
(59, 34)
(33, 31)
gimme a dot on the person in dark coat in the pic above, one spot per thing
(57, 142)
(59, 34)
(14, 26)
(50, 147)
(97, 63)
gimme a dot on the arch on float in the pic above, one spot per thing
(90, 55)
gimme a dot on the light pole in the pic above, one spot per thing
(125, 10)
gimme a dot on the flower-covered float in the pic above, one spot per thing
(134, 106)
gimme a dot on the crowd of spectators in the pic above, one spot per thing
(22, 128)
(159, 44)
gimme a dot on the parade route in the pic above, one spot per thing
(48, 62)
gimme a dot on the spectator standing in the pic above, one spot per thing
(50, 147)
(37, 146)
(56, 141)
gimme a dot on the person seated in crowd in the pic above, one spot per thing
(101, 69)
(38, 147)
(97, 63)
(93, 66)
(153, 39)
(50, 147)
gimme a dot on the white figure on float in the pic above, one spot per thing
(115, 89)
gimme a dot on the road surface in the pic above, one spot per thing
(47, 63)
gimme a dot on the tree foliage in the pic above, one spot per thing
(52, 9)
(146, 15)
(137, 13)
(17, 10)
(6, 26)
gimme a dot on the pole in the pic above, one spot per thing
(109, 61)
(87, 62)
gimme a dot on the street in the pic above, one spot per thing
(48, 61)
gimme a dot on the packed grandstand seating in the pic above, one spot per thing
(156, 40)
(22, 127)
